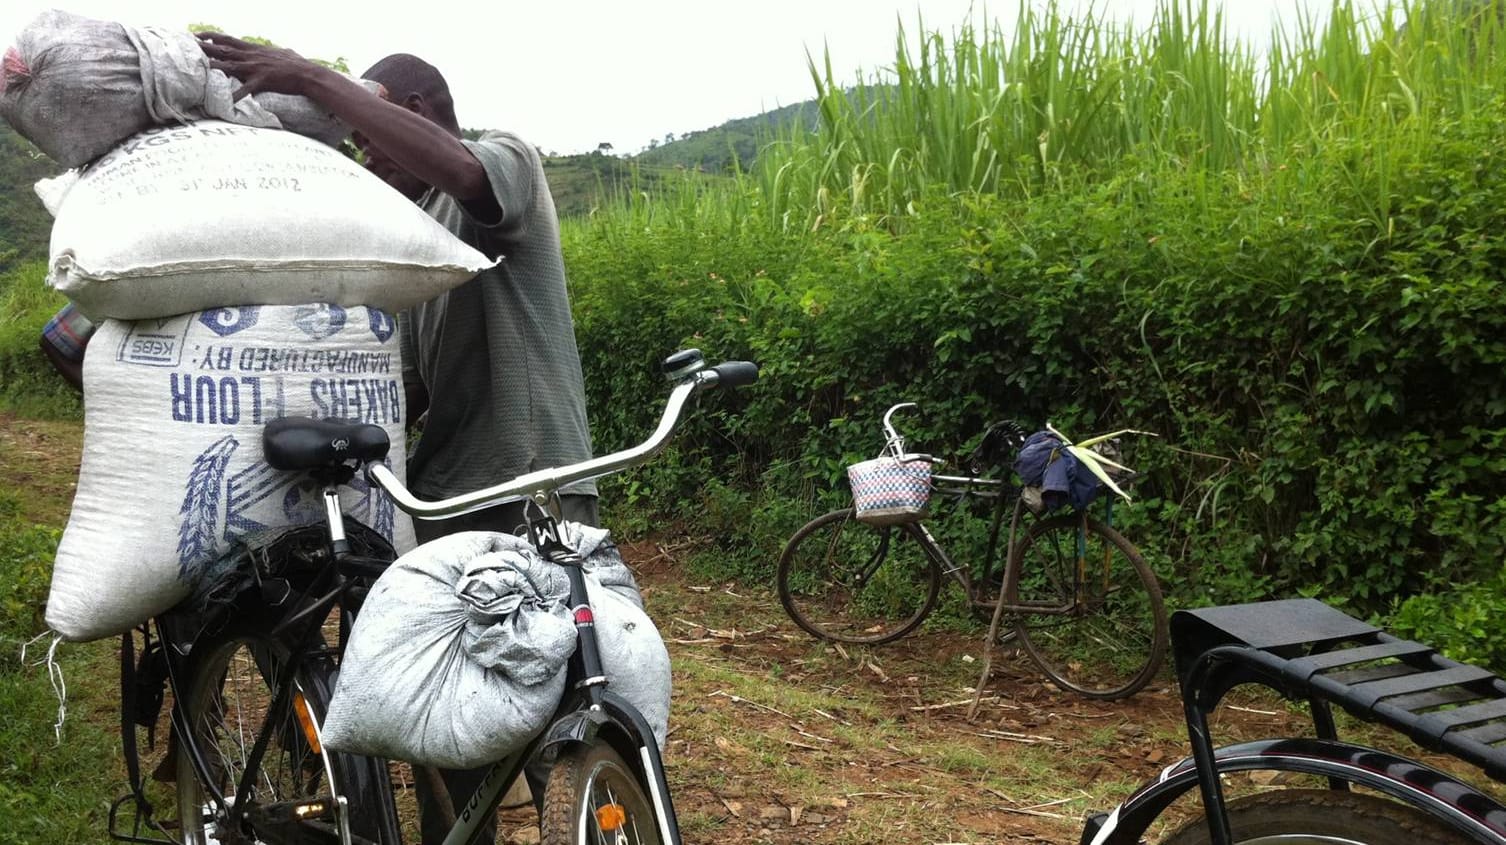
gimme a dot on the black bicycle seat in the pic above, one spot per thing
(302, 443)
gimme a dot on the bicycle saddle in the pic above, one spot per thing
(1001, 440)
(300, 443)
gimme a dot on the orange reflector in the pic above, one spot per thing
(305, 720)
(610, 817)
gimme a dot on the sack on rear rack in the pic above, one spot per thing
(458, 656)
(213, 214)
(172, 466)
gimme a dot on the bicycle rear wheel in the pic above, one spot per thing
(594, 796)
(1098, 626)
(228, 695)
(1322, 817)
(845, 580)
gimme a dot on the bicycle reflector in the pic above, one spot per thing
(306, 721)
(610, 817)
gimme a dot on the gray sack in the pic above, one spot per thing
(458, 655)
(76, 87)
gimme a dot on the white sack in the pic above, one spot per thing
(172, 460)
(459, 653)
(76, 87)
(213, 214)
(54, 190)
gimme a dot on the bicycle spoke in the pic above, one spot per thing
(228, 709)
(1100, 627)
(844, 580)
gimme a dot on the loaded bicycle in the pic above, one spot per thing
(250, 675)
(1080, 599)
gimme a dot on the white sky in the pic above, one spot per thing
(570, 74)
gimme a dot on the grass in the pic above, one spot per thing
(54, 788)
(28, 384)
(1056, 101)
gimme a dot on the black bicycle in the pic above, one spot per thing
(1311, 652)
(250, 663)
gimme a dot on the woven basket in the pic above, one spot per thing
(888, 490)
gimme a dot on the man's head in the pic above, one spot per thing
(418, 86)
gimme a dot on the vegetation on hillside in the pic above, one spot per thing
(1289, 266)
(732, 146)
(24, 223)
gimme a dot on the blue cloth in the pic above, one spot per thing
(1063, 479)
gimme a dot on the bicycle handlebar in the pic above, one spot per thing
(539, 485)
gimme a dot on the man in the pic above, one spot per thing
(494, 361)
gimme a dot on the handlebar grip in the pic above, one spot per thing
(736, 373)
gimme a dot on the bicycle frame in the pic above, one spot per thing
(964, 487)
(309, 610)
(589, 713)
(1003, 495)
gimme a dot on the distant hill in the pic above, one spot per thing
(716, 149)
(581, 183)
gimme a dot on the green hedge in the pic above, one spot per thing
(1329, 393)
(28, 383)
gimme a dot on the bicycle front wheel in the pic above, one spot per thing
(1322, 817)
(845, 580)
(1094, 621)
(227, 702)
(594, 798)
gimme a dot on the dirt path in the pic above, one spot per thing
(775, 738)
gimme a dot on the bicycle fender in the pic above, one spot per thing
(576, 726)
(619, 723)
(1457, 804)
(613, 715)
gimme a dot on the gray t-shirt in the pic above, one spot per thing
(497, 354)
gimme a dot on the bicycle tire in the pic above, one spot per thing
(229, 685)
(1111, 638)
(1324, 817)
(847, 581)
(594, 796)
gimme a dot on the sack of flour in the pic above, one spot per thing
(458, 656)
(213, 214)
(76, 87)
(172, 466)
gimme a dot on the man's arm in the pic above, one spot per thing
(413, 142)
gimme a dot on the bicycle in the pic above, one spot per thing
(251, 675)
(1306, 650)
(1084, 605)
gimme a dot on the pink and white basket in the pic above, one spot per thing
(889, 490)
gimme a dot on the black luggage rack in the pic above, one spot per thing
(1305, 649)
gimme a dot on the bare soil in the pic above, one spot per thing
(778, 738)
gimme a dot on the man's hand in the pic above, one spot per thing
(402, 132)
(258, 68)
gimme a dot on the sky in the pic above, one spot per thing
(569, 75)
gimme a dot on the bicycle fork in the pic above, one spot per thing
(601, 705)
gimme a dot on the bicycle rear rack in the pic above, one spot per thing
(1306, 649)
